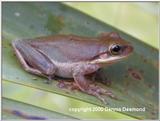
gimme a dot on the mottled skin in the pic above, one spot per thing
(72, 56)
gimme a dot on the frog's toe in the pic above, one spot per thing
(67, 85)
(96, 93)
(105, 92)
(99, 92)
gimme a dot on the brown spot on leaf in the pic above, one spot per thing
(135, 74)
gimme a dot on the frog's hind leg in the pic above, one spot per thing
(29, 57)
(24, 63)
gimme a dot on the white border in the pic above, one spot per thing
(82, 0)
(73, 1)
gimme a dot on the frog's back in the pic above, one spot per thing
(66, 48)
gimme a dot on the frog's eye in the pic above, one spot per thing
(115, 49)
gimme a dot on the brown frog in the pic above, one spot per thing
(72, 56)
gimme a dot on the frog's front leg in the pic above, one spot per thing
(33, 60)
(84, 84)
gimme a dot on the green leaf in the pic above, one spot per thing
(134, 80)
(9, 106)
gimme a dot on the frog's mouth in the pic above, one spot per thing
(109, 58)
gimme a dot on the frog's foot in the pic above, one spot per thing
(67, 85)
(93, 89)
(103, 91)
(99, 92)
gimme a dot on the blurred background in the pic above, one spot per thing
(139, 19)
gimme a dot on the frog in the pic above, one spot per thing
(72, 56)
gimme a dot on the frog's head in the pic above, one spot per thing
(112, 49)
